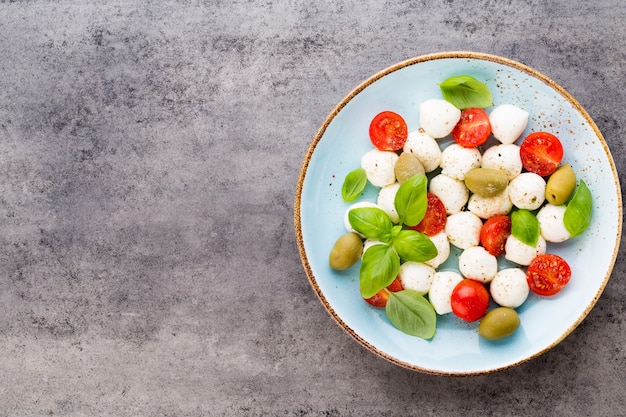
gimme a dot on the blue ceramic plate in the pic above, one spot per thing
(456, 348)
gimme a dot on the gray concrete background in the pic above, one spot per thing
(149, 154)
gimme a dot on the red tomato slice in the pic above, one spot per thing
(494, 233)
(435, 218)
(541, 153)
(380, 298)
(388, 131)
(473, 129)
(547, 274)
(470, 300)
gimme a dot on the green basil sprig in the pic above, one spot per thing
(378, 265)
(411, 313)
(578, 212)
(353, 184)
(381, 262)
(464, 92)
(525, 227)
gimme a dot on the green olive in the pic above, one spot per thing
(346, 251)
(486, 182)
(499, 323)
(407, 166)
(561, 185)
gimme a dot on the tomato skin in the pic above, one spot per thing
(494, 233)
(395, 286)
(435, 219)
(388, 131)
(380, 298)
(470, 300)
(473, 129)
(541, 153)
(547, 274)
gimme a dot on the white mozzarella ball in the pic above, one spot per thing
(517, 251)
(425, 148)
(527, 191)
(478, 264)
(441, 290)
(486, 207)
(504, 157)
(416, 276)
(360, 204)
(386, 198)
(441, 242)
(379, 167)
(508, 122)
(463, 229)
(368, 243)
(509, 287)
(456, 161)
(438, 117)
(452, 192)
(551, 223)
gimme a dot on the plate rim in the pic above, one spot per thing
(354, 92)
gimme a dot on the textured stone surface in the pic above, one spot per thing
(149, 154)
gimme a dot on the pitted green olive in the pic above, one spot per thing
(499, 323)
(561, 185)
(486, 182)
(407, 166)
(346, 251)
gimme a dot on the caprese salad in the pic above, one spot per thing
(504, 200)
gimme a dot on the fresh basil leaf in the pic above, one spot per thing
(525, 227)
(371, 222)
(411, 201)
(353, 184)
(414, 246)
(379, 267)
(411, 313)
(464, 92)
(578, 212)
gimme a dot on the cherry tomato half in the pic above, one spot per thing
(541, 153)
(547, 274)
(434, 220)
(388, 131)
(380, 298)
(470, 300)
(473, 129)
(494, 233)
